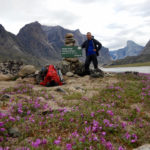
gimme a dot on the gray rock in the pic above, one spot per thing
(61, 90)
(144, 147)
(69, 74)
(97, 73)
(14, 132)
(4, 97)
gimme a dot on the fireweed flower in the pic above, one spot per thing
(95, 138)
(107, 123)
(68, 146)
(1, 124)
(75, 134)
(121, 148)
(110, 112)
(2, 129)
(44, 141)
(82, 139)
(134, 138)
(57, 142)
(127, 135)
(20, 111)
(103, 133)
(109, 146)
(36, 143)
(137, 109)
(12, 118)
(123, 124)
(92, 114)
(85, 122)
(71, 120)
(87, 129)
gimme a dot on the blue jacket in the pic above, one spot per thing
(96, 44)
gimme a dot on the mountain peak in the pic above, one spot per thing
(129, 42)
(1, 28)
(131, 49)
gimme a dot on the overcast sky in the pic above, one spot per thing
(112, 22)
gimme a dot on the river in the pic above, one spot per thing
(141, 69)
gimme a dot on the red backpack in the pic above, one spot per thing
(51, 78)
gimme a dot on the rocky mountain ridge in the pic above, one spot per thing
(131, 49)
(38, 44)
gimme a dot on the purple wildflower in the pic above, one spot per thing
(68, 146)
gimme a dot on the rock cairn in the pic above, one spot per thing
(72, 65)
(10, 67)
(69, 39)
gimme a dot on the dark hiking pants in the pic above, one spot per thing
(88, 60)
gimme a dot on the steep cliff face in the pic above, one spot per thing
(131, 49)
(8, 43)
(9, 47)
(34, 41)
(146, 49)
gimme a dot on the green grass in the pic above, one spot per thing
(73, 96)
(130, 65)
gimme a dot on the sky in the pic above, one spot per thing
(112, 22)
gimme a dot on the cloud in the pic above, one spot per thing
(85, 1)
(113, 22)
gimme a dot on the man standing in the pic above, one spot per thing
(92, 48)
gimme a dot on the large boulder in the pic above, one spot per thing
(26, 70)
(4, 77)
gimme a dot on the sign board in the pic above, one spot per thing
(71, 51)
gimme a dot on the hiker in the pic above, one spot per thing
(92, 47)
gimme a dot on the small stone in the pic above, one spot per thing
(76, 76)
(14, 132)
(61, 90)
(69, 74)
(4, 97)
